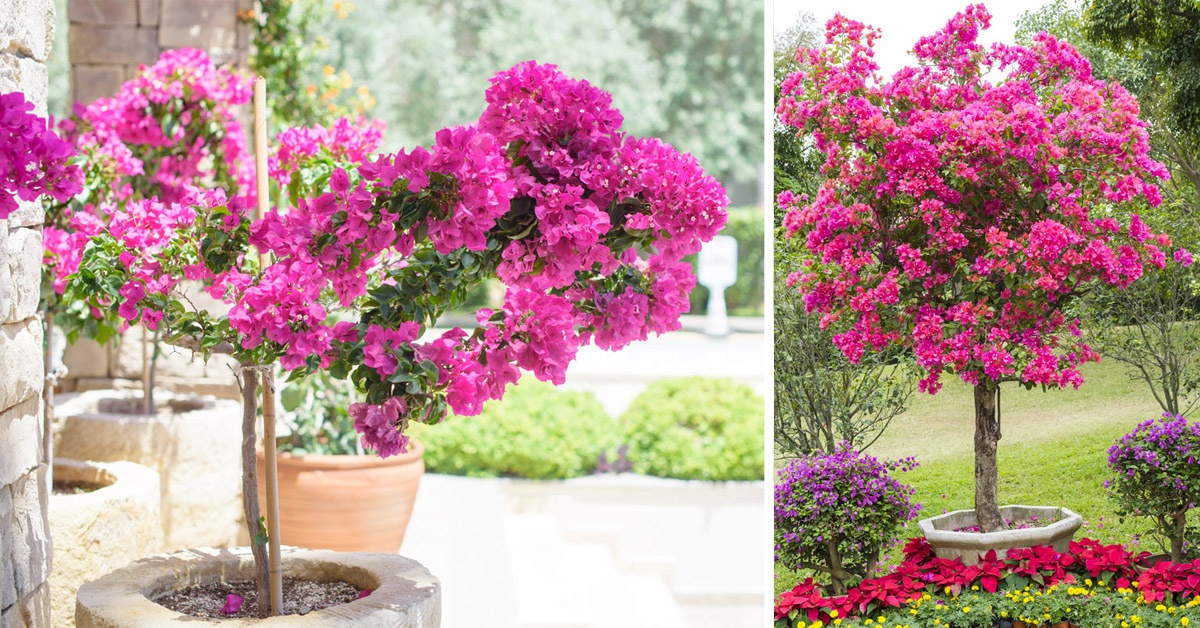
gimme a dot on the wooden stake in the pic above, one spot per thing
(268, 379)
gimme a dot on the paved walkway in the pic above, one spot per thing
(612, 551)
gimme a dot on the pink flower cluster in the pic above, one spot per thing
(545, 143)
(346, 141)
(33, 160)
(171, 126)
(545, 193)
(958, 214)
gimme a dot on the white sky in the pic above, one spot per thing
(903, 22)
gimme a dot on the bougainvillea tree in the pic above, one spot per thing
(584, 225)
(966, 202)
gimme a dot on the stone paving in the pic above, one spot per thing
(606, 551)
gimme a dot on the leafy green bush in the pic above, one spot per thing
(536, 432)
(696, 428)
(744, 298)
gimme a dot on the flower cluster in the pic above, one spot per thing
(346, 141)
(834, 512)
(545, 193)
(958, 213)
(1156, 475)
(169, 131)
(33, 160)
(172, 126)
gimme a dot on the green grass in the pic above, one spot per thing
(1053, 450)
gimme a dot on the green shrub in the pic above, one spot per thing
(744, 298)
(696, 428)
(536, 432)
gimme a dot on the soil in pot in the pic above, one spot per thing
(75, 487)
(300, 597)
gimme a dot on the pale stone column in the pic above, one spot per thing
(26, 33)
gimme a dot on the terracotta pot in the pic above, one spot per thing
(346, 503)
(403, 593)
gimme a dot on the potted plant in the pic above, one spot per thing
(963, 218)
(545, 193)
(333, 493)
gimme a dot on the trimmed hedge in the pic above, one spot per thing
(537, 431)
(696, 428)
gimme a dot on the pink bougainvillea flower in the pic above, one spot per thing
(233, 604)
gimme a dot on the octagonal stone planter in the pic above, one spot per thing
(403, 593)
(946, 543)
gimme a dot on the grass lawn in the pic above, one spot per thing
(1053, 449)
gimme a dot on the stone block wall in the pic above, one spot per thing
(26, 34)
(109, 39)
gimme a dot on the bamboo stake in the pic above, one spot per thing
(268, 380)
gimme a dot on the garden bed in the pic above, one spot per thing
(1090, 584)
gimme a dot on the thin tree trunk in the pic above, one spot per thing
(987, 435)
(147, 403)
(249, 385)
(1180, 521)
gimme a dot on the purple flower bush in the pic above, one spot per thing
(834, 512)
(1156, 476)
(33, 160)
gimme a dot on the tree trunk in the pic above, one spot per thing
(249, 384)
(1180, 521)
(987, 435)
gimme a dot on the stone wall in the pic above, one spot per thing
(109, 39)
(26, 33)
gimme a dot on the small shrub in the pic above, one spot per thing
(835, 512)
(1157, 476)
(696, 428)
(536, 432)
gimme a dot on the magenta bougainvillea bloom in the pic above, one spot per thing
(33, 160)
(585, 226)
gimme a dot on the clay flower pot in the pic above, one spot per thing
(403, 593)
(346, 503)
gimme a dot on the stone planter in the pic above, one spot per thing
(403, 593)
(346, 503)
(101, 530)
(946, 543)
(196, 451)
